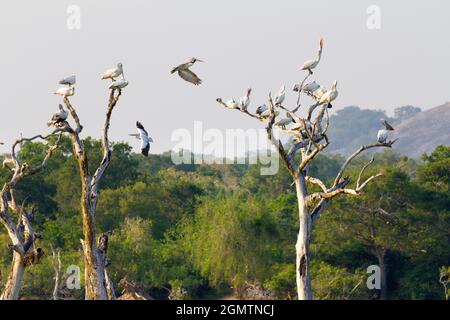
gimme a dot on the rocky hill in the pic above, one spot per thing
(423, 132)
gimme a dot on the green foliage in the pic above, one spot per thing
(201, 231)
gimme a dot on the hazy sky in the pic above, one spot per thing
(253, 43)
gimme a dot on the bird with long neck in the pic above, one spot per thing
(113, 73)
(311, 64)
(279, 98)
(245, 100)
(186, 74)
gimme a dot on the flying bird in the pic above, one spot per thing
(113, 73)
(65, 91)
(118, 84)
(70, 81)
(279, 98)
(144, 137)
(186, 74)
(58, 117)
(245, 100)
(1, 143)
(383, 134)
(311, 64)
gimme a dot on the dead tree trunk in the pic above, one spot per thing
(303, 240)
(97, 286)
(14, 282)
(23, 239)
(309, 138)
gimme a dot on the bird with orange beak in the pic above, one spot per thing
(311, 64)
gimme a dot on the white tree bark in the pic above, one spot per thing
(22, 236)
(14, 282)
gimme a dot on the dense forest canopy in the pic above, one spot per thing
(219, 230)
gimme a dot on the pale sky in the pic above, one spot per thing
(245, 43)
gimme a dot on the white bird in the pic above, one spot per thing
(311, 64)
(383, 134)
(319, 93)
(231, 104)
(261, 109)
(70, 81)
(186, 74)
(58, 117)
(144, 137)
(245, 100)
(330, 95)
(118, 84)
(284, 122)
(65, 91)
(280, 96)
(113, 73)
(311, 87)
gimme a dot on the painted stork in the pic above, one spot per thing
(279, 98)
(186, 74)
(144, 137)
(65, 91)
(245, 100)
(113, 73)
(230, 104)
(70, 81)
(118, 84)
(261, 109)
(58, 117)
(310, 87)
(311, 64)
(284, 122)
(329, 96)
(383, 134)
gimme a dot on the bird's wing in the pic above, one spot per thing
(307, 64)
(141, 128)
(108, 73)
(189, 76)
(387, 125)
(143, 135)
(145, 149)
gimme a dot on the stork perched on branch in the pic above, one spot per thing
(113, 73)
(383, 134)
(311, 64)
(58, 117)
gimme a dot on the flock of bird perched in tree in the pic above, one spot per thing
(318, 93)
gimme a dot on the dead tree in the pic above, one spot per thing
(56, 261)
(23, 238)
(308, 138)
(98, 285)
